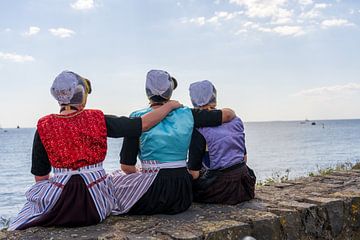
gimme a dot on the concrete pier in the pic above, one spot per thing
(319, 207)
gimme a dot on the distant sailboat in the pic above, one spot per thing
(305, 121)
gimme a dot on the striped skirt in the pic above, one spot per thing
(129, 188)
(44, 195)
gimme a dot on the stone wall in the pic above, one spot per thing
(320, 207)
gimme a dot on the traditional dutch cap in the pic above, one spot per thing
(159, 83)
(69, 88)
(202, 93)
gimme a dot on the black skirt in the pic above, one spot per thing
(170, 193)
(75, 208)
(230, 186)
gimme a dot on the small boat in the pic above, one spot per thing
(2, 130)
(305, 121)
(313, 123)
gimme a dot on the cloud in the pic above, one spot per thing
(289, 30)
(280, 30)
(62, 32)
(223, 16)
(83, 5)
(306, 2)
(337, 89)
(281, 21)
(335, 23)
(198, 20)
(13, 57)
(5, 30)
(282, 17)
(32, 31)
(315, 12)
(217, 18)
(263, 8)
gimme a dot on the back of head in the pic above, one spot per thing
(71, 89)
(202, 93)
(159, 85)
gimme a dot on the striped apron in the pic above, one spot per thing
(43, 195)
(129, 188)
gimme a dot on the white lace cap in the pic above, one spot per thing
(202, 93)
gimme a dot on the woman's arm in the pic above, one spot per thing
(196, 153)
(194, 174)
(227, 115)
(40, 166)
(128, 169)
(211, 118)
(128, 154)
(42, 178)
(133, 127)
(154, 117)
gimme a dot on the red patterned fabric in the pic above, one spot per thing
(75, 140)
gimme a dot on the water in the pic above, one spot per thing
(273, 147)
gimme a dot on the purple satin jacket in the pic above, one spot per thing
(225, 143)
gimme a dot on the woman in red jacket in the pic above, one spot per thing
(74, 144)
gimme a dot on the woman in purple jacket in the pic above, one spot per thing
(217, 155)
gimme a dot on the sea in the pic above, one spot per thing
(275, 149)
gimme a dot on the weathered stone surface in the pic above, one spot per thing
(320, 207)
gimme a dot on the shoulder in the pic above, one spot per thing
(139, 113)
(93, 112)
(238, 121)
(235, 124)
(183, 110)
(45, 119)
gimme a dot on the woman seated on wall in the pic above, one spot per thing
(74, 144)
(163, 185)
(217, 155)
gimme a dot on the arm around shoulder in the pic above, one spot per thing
(152, 118)
(227, 115)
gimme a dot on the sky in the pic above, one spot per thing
(269, 59)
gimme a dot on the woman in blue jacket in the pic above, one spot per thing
(163, 185)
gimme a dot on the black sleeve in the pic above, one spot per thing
(129, 150)
(207, 118)
(196, 151)
(40, 161)
(123, 126)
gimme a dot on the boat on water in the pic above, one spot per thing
(2, 130)
(308, 121)
(305, 121)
